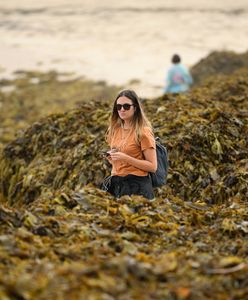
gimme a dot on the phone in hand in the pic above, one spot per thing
(107, 153)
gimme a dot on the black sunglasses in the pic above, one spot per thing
(126, 106)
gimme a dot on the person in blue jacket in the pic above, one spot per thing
(178, 78)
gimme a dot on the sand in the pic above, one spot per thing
(117, 42)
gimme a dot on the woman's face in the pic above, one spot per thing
(125, 108)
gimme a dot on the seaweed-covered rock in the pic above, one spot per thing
(206, 137)
(33, 95)
(56, 152)
(218, 62)
(61, 237)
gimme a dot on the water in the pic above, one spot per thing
(117, 42)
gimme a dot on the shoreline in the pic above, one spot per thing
(145, 88)
(120, 43)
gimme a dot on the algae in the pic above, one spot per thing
(61, 237)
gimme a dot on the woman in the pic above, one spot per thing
(132, 148)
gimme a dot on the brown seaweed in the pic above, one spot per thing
(61, 237)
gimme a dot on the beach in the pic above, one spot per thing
(61, 235)
(128, 44)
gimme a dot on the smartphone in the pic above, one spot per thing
(105, 153)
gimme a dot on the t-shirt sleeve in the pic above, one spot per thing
(147, 139)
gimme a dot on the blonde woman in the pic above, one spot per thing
(132, 151)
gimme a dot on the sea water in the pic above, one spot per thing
(122, 42)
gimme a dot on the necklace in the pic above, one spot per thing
(124, 137)
(119, 144)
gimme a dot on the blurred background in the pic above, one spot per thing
(117, 41)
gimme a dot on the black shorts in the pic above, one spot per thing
(129, 185)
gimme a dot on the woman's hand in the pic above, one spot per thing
(119, 156)
(149, 164)
(108, 157)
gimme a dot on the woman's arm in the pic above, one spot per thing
(149, 164)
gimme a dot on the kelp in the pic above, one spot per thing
(218, 62)
(33, 95)
(62, 237)
(116, 249)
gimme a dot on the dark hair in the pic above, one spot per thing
(176, 59)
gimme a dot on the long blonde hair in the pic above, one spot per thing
(138, 122)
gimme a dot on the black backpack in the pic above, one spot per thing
(159, 177)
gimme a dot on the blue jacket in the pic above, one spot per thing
(178, 79)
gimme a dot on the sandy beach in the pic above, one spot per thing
(117, 42)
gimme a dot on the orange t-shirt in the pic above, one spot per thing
(124, 141)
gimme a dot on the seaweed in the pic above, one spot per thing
(62, 237)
